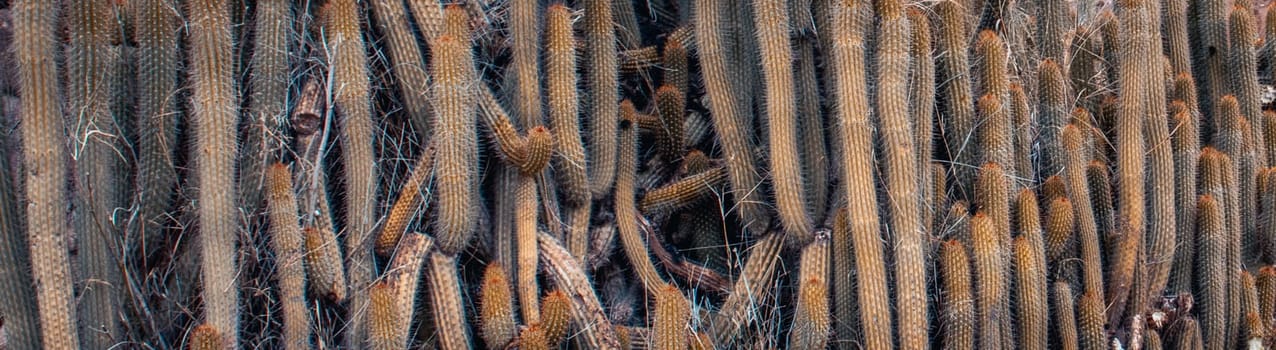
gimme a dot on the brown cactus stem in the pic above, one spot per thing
(753, 285)
(674, 58)
(568, 275)
(1075, 148)
(449, 310)
(288, 244)
(1100, 182)
(1090, 321)
(1061, 302)
(811, 126)
(556, 316)
(1024, 130)
(1060, 239)
(1032, 313)
(1053, 109)
(849, 25)
(990, 276)
(1053, 24)
(922, 108)
(98, 167)
(407, 206)
(683, 193)
(1176, 28)
(268, 102)
(384, 318)
(408, 64)
(496, 311)
(525, 220)
(206, 337)
(323, 264)
(728, 119)
(811, 315)
(672, 314)
(17, 298)
(671, 103)
(1266, 285)
(1209, 21)
(1241, 58)
(1162, 230)
(954, 69)
(428, 16)
(900, 175)
(213, 103)
(524, 37)
(772, 20)
(1186, 144)
(155, 27)
(1212, 270)
(627, 214)
(957, 312)
(603, 89)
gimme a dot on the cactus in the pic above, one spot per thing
(1266, 285)
(569, 156)
(496, 312)
(627, 215)
(683, 193)
(525, 219)
(1060, 239)
(18, 297)
(811, 315)
(602, 83)
(990, 276)
(1209, 21)
(533, 338)
(1065, 316)
(1021, 115)
(1087, 233)
(408, 64)
(1241, 57)
(900, 175)
(772, 20)
(1186, 144)
(350, 73)
(213, 103)
(1053, 24)
(811, 126)
(445, 287)
(384, 318)
(849, 25)
(753, 286)
(323, 264)
(1100, 182)
(672, 314)
(264, 141)
(524, 68)
(406, 206)
(455, 142)
(954, 68)
(674, 60)
(403, 275)
(155, 26)
(1176, 33)
(671, 103)
(568, 276)
(428, 16)
(1162, 229)
(1212, 277)
(98, 168)
(729, 119)
(922, 107)
(287, 242)
(1032, 310)
(1090, 321)
(958, 311)
(1053, 108)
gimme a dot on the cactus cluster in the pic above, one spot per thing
(622, 174)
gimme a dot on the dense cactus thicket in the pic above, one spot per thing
(624, 174)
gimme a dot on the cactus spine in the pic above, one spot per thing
(445, 287)
(990, 275)
(671, 103)
(626, 214)
(811, 315)
(1032, 310)
(569, 156)
(1211, 271)
(954, 68)
(287, 241)
(323, 264)
(407, 206)
(922, 91)
(524, 30)
(567, 274)
(525, 218)
(683, 193)
(207, 337)
(1186, 143)
(1052, 104)
(383, 317)
(729, 120)
(1090, 321)
(1241, 58)
(1065, 316)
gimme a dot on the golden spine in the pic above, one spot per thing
(206, 337)
(1090, 321)
(525, 219)
(683, 193)
(1065, 316)
(524, 67)
(555, 316)
(1186, 144)
(1060, 239)
(1032, 311)
(1053, 108)
(384, 317)
(922, 109)
(990, 277)
(1212, 270)
(627, 216)
(954, 68)
(815, 160)
(1241, 58)
(567, 274)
